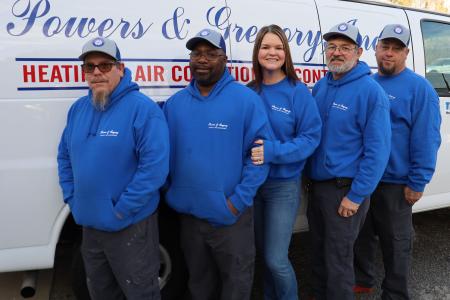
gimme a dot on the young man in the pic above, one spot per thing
(416, 138)
(348, 163)
(213, 124)
(112, 159)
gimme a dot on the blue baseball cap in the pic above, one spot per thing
(344, 29)
(102, 45)
(210, 36)
(396, 31)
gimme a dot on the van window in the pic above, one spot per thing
(436, 39)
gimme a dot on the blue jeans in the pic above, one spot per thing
(276, 205)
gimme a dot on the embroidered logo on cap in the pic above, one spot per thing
(98, 42)
(343, 27)
(398, 30)
(204, 33)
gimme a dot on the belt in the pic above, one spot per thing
(339, 182)
(386, 184)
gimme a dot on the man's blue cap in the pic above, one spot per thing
(344, 29)
(210, 36)
(396, 31)
(102, 45)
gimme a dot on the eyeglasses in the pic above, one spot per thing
(195, 55)
(342, 49)
(103, 67)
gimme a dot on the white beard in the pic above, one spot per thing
(344, 68)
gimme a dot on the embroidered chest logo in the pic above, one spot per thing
(108, 133)
(281, 109)
(339, 106)
(217, 125)
(391, 97)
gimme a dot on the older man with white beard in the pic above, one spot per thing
(349, 162)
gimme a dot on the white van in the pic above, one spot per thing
(41, 78)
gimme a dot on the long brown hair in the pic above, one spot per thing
(287, 68)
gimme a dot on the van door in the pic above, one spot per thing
(431, 37)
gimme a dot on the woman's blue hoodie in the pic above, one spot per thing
(211, 138)
(295, 121)
(356, 131)
(111, 163)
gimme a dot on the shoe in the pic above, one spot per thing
(358, 289)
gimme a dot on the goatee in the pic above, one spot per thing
(100, 99)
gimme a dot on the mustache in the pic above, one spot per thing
(336, 59)
(97, 81)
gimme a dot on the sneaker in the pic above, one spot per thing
(358, 289)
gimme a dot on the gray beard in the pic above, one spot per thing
(344, 68)
(100, 100)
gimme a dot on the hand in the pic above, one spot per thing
(258, 153)
(412, 196)
(231, 207)
(347, 208)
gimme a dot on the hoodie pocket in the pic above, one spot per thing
(204, 204)
(97, 212)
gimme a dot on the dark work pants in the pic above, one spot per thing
(123, 264)
(389, 217)
(220, 260)
(333, 238)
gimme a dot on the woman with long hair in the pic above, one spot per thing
(295, 120)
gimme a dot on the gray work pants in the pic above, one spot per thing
(333, 238)
(389, 218)
(220, 260)
(123, 264)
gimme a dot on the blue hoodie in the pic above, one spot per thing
(416, 121)
(296, 123)
(356, 131)
(113, 162)
(211, 138)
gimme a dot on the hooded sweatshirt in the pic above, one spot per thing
(356, 131)
(416, 121)
(211, 138)
(296, 123)
(111, 163)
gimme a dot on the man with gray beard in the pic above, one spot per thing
(112, 159)
(349, 162)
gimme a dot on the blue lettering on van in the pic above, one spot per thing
(82, 27)
(28, 14)
(174, 28)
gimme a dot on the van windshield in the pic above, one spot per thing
(436, 38)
